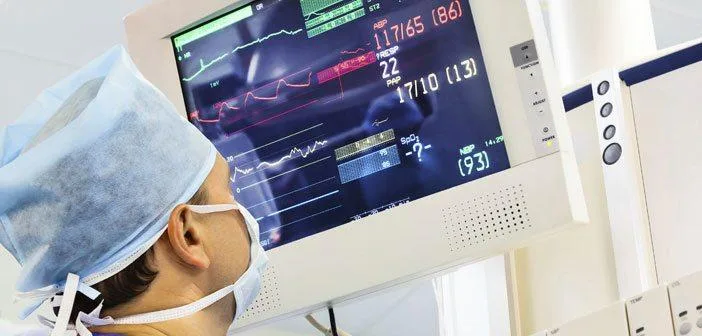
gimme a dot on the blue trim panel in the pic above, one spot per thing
(578, 98)
(662, 65)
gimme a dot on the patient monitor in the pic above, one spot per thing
(376, 141)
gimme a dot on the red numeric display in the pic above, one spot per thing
(385, 37)
(443, 14)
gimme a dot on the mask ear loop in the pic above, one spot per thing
(206, 209)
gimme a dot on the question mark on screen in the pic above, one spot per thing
(418, 148)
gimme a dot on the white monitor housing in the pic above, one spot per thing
(540, 193)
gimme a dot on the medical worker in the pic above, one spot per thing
(121, 214)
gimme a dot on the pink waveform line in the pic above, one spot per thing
(277, 89)
(196, 115)
(304, 153)
(223, 105)
(352, 52)
(279, 83)
(346, 67)
(277, 116)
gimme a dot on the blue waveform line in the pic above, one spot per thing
(294, 153)
(204, 67)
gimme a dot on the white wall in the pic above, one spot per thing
(676, 21)
(587, 36)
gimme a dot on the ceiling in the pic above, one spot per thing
(42, 41)
(676, 21)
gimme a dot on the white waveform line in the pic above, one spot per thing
(309, 16)
(238, 171)
(304, 153)
(204, 67)
(379, 122)
(294, 32)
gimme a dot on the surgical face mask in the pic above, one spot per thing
(245, 289)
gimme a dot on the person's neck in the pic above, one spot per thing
(198, 324)
(171, 292)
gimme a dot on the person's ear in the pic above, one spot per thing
(185, 235)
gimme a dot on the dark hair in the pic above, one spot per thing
(130, 282)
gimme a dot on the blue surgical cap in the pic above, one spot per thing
(90, 173)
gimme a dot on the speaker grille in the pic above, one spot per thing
(485, 218)
(268, 300)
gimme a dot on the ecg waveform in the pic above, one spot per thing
(295, 152)
(204, 66)
(230, 104)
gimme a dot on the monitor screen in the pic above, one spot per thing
(328, 111)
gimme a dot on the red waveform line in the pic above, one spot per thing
(279, 83)
(352, 52)
(276, 116)
(346, 67)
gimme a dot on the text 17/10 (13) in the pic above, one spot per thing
(431, 83)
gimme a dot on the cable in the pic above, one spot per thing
(332, 321)
(323, 329)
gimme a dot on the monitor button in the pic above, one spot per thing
(685, 328)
